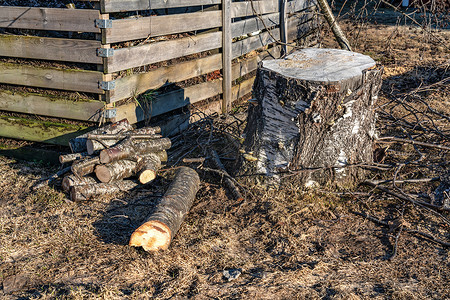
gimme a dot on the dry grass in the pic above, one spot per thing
(289, 243)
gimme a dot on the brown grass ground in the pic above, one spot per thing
(289, 243)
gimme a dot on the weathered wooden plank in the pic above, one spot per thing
(216, 107)
(38, 131)
(171, 101)
(43, 18)
(108, 6)
(301, 25)
(252, 43)
(60, 79)
(250, 8)
(246, 66)
(180, 98)
(132, 85)
(126, 58)
(136, 28)
(244, 27)
(227, 42)
(86, 110)
(299, 5)
(70, 50)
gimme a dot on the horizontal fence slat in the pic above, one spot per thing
(252, 43)
(247, 26)
(51, 106)
(137, 28)
(109, 6)
(59, 79)
(177, 99)
(38, 131)
(248, 65)
(298, 5)
(43, 18)
(170, 101)
(301, 25)
(250, 8)
(69, 50)
(126, 58)
(132, 85)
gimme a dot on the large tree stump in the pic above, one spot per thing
(314, 110)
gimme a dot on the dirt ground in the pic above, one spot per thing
(288, 243)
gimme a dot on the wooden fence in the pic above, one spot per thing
(102, 58)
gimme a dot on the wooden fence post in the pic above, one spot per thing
(283, 26)
(226, 55)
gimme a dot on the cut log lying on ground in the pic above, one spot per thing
(149, 166)
(99, 141)
(160, 228)
(128, 148)
(72, 180)
(78, 144)
(66, 158)
(84, 167)
(88, 191)
(229, 184)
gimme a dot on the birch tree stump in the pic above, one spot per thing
(314, 110)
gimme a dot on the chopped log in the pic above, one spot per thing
(128, 148)
(160, 228)
(84, 167)
(125, 168)
(149, 166)
(89, 191)
(78, 144)
(99, 141)
(215, 160)
(72, 180)
(314, 109)
(116, 170)
(66, 158)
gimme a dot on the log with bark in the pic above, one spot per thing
(72, 180)
(130, 148)
(89, 191)
(84, 167)
(99, 141)
(160, 228)
(148, 167)
(78, 144)
(314, 109)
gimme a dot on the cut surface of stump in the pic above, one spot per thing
(314, 110)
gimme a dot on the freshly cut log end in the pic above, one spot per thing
(103, 174)
(152, 236)
(147, 176)
(151, 163)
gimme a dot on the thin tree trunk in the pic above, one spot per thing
(160, 228)
(338, 34)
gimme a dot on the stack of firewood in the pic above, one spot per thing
(113, 153)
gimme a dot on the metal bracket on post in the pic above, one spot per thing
(110, 113)
(100, 23)
(105, 52)
(107, 85)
